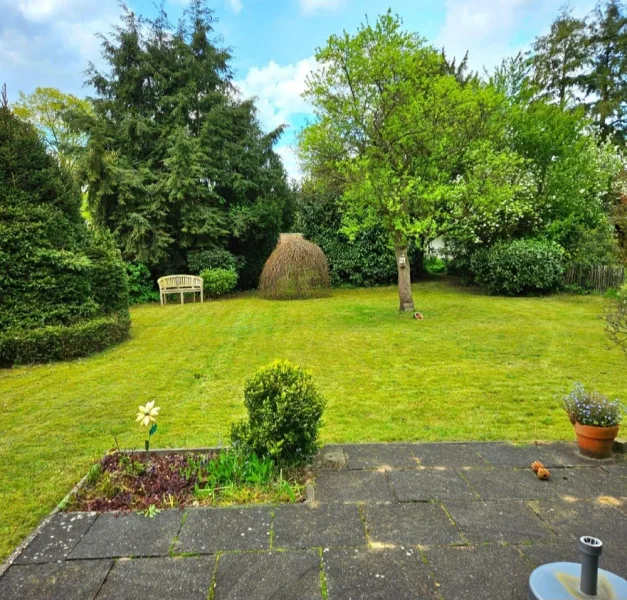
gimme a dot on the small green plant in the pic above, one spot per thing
(592, 408)
(217, 282)
(151, 512)
(147, 417)
(284, 414)
(94, 473)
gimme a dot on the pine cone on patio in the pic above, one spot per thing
(536, 466)
(544, 474)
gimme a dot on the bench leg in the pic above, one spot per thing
(181, 297)
(161, 295)
(202, 297)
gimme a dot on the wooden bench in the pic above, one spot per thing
(179, 284)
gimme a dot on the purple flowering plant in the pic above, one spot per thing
(592, 408)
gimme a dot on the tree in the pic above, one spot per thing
(47, 109)
(606, 82)
(176, 162)
(394, 130)
(559, 57)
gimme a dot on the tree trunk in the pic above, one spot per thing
(404, 280)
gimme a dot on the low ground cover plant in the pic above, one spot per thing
(592, 408)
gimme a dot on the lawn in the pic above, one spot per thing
(477, 368)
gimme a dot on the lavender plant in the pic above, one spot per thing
(592, 408)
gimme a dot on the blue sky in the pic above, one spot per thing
(49, 42)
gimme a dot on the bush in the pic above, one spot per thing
(217, 282)
(284, 414)
(141, 287)
(616, 320)
(62, 342)
(434, 265)
(296, 269)
(519, 268)
(214, 258)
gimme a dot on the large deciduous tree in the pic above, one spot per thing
(176, 160)
(405, 139)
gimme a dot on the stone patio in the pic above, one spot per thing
(383, 521)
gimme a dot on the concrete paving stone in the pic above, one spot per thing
(412, 524)
(352, 486)
(510, 483)
(573, 519)
(567, 453)
(269, 576)
(452, 456)
(430, 484)
(619, 470)
(330, 456)
(57, 539)
(54, 581)
(132, 534)
(387, 574)
(376, 456)
(540, 554)
(210, 530)
(588, 483)
(510, 455)
(159, 579)
(325, 525)
(492, 572)
(498, 521)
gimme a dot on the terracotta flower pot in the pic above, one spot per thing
(595, 441)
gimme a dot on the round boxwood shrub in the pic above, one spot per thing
(213, 258)
(521, 267)
(55, 273)
(217, 282)
(284, 414)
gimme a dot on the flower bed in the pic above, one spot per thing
(151, 481)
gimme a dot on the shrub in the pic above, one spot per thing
(217, 282)
(214, 258)
(284, 414)
(518, 268)
(141, 287)
(592, 408)
(616, 320)
(434, 265)
(296, 269)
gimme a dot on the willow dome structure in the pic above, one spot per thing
(296, 269)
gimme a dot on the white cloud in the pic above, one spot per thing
(236, 5)
(290, 161)
(278, 91)
(312, 6)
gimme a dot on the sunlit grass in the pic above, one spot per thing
(477, 368)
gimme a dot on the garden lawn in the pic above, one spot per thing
(477, 368)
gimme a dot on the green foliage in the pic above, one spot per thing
(434, 265)
(217, 282)
(141, 287)
(616, 320)
(519, 268)
(54, 271)
(592, 408)
(284, 414)
(176, 164)
(214, 258)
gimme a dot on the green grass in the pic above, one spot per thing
(477, 368)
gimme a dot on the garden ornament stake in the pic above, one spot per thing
(565, 580)
(147, 417)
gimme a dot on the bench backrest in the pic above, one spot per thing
(179, 282)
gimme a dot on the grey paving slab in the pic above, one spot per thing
(510, 483)
(376, 456)
(571, 520)
(589, 483)
(492, 572)
(430, 484)
(54, 581)
(449, 455)
(389, 574)
(210, 530)
(57, 539)
(510, 455)
(325, 525)
(619, 470)
(353, 486)
(498, 521)
(117, 535)
(412, 524)
(540, 554)
(330, 456)
(567, 455)
(159, 579)
(268, 576)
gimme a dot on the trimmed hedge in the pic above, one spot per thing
(217, 282)
(519, 268)
(61, 342)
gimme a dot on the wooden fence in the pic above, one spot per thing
(599, 278)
